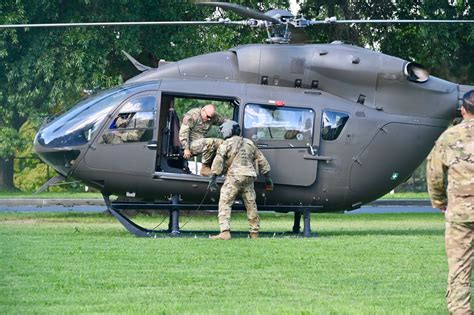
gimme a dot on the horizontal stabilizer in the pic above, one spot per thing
(139, 66)
(463, 89)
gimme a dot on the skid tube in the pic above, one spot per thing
(116, 208)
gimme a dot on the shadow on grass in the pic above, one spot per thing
(314, 234)
(341, 226)
(383, 232)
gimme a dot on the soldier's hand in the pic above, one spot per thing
(268, 182)
(442, 209)
(212, 187)
(187, 154)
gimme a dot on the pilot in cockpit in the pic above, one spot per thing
(122, 121)
(120, 132)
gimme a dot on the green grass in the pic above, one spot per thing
(407, 195)
(87, 263)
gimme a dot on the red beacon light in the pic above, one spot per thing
(277, 103)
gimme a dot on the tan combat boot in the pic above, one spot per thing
(224, 235)
(253, 235)
(205, 170)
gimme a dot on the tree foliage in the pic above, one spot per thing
(43, 71)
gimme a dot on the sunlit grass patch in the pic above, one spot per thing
(88, 263)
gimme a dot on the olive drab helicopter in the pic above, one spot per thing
(340, 125)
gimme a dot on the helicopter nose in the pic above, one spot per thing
(62, 159)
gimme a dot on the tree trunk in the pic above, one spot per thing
(7, 163)
(331, 13)
(6, 174)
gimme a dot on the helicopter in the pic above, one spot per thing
(340, 125)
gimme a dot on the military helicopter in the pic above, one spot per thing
(340, 125)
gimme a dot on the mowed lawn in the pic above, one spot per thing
(87, 263)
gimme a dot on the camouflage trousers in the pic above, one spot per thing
(459, 239)
(207, 147)
(233, 186)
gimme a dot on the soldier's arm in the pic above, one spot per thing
(133, 135)
(185, 131)
(218, 163)
(263, 165)
(436, 177)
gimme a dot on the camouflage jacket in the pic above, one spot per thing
(121, 136)
(452, 160)
(193, 128)
(239, 156)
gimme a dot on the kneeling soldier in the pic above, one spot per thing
(240, 159)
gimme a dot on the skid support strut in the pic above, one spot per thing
(297, 222)
(306, 222)
(173, 225)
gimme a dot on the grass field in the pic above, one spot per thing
(87, 263)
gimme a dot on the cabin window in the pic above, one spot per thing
(278, 126)
(332, 124)
(133, 123)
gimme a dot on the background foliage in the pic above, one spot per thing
(45, 71)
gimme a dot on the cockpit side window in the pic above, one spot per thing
(133, 123)
(332, 124)
(278, 126)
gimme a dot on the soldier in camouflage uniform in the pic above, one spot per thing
(241, 161)
(196, 123)
(453, 158)
(122, 135)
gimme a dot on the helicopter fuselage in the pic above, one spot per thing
(339, 124)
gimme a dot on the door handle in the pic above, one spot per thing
(317, 157)
(152, 145)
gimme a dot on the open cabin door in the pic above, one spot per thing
(289, 139)
(128, 142)
(173, 107)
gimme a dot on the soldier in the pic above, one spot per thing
(121, 134)
(196, 123)
(240, 159)
(453, 157)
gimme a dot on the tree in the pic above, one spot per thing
(44, 71)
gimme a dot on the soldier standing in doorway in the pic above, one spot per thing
(452, 158)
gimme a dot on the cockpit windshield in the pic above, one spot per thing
(79, 125)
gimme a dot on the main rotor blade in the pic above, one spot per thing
(244, 11)
(394, 21)
(223, 22)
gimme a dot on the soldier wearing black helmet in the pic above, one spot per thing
(241, 161)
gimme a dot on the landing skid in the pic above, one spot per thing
(116, 208)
